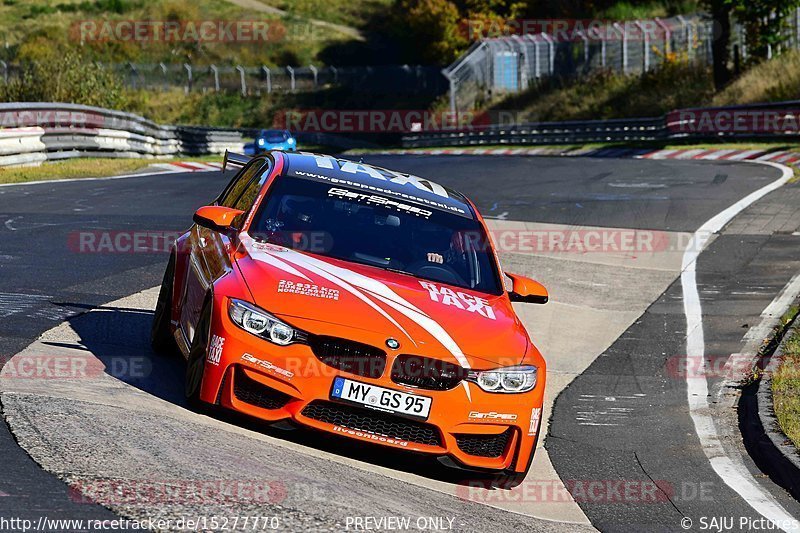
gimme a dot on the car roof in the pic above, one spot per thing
(358, 175)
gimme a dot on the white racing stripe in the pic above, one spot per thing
(259, 255)
(734, 474)
(363, 287)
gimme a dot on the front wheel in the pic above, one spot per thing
(195, 365)
(161, 338)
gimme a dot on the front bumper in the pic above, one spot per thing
(476, 429)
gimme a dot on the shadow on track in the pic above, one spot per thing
(119, 338)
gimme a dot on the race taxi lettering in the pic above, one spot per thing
(307, 289)
(268, 366)
(382, 174)
(492, 416)
(536, 413)
(215, 349)
(473, 304)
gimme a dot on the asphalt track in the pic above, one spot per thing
(43, 281)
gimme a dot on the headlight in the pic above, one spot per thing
(512, 379)
(260, 323)
(260, 142)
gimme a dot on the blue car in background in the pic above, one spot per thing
(275, 140)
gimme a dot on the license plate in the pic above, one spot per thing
(381, 399)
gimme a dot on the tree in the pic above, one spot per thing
(763, 20)
(720, 11)
(432, 27)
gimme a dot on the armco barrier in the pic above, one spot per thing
(770, 121)
(31, 133)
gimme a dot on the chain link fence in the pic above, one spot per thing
(257, 81)
(499, 66)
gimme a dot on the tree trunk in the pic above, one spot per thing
(719, 45)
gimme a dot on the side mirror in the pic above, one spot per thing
(527, 290)
(215, 217)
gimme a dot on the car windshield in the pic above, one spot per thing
(275, 136)
(370, 229)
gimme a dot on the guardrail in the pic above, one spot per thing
(648, 129)
(31, 133)
(769, 121)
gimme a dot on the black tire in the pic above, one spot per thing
(511, 478)
(161, 338)
(196, 363)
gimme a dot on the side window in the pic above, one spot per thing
(245, 201)
(240, 183)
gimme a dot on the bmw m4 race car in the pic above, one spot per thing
(357, 301)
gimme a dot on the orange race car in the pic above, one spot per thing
(358, 301)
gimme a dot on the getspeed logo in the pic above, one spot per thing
(473, 304)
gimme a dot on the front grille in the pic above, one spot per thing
(373, 422)
(254, 393)
(349, 356)
(426, 373)
(484, 445)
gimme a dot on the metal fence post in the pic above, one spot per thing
(667, 36)
(134, 74)
(452, 89)
(215, 70)
(585, 40)
(242, 79)
(290, 70)
(646, 46)
(188, 68)
(797, 28)
(5, 70)
(624, 47)
(536, 68)
(551, 52)
(163, 68)
(267, 77)
(743, 42)
(603, 51)
(690, 40)
(315, 73)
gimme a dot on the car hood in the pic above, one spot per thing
(333, 297)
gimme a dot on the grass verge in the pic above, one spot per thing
(85, 168)
(786, 388)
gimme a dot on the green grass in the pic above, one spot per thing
(356, 13)
(607, 95)
(648, 10)
(676, 85)
(786, 389)
(775, 80)
(85, 168)
(34, 27)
